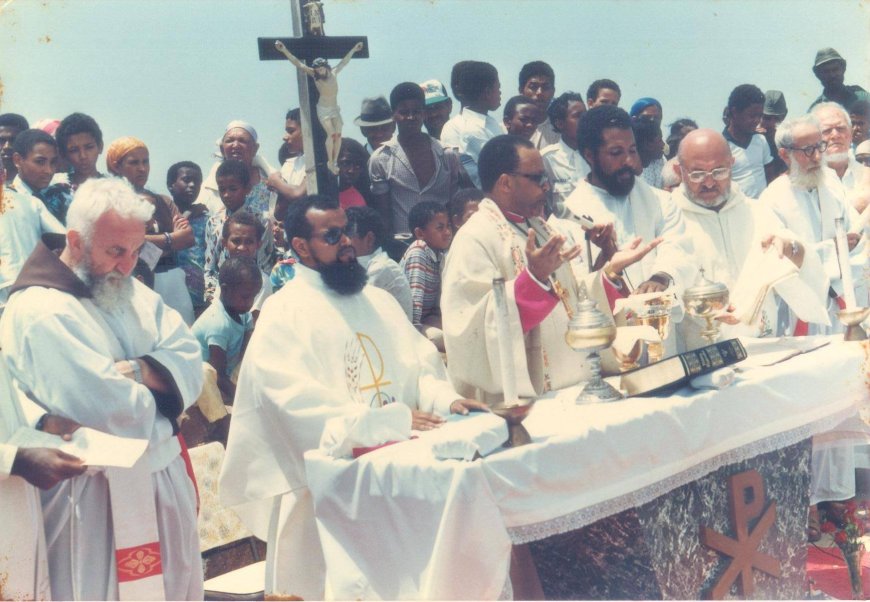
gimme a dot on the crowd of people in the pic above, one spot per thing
(123, 307)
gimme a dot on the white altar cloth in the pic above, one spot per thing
(399, 524)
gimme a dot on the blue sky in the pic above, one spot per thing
(174, 72)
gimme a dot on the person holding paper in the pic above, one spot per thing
(733, 238)
(325, 345)
(22, 538)
(94, 345)
(508, 238)
(807, 200)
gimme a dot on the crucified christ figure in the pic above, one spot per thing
(327, 106)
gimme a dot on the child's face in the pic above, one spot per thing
(470, 209)
(186, 186)
(437, 233)
(232, 192)
(241, 241)
(239, 298)
(38, 167)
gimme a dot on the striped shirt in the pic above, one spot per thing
(422, 267)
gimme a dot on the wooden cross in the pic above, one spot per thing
(311, 43)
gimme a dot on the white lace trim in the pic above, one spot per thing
(586, 516)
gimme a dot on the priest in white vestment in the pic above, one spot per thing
(325, 345)
(23, 564)
(725, 229)
(507, 238)
(94, 345)
(611, 193)
(807, 199)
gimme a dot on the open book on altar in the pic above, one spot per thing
(94, 448)
(765, 270)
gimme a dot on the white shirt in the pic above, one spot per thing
(23, 220)
(545, 135)
(385, 273)
(565, 167)
(293, 170)
(749, 162)
(468, 132)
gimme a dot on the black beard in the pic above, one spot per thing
(345, 278)
(611, 182)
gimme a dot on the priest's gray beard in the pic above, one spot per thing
(836, 159)
(716, 203)
(110, 291)
(807, 180)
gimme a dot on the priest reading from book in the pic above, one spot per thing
(326, 346)
(742, 244)
(508, 238)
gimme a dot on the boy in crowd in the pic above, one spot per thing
(562, 161)
(521, 117)
(234, 182)
(241, 237)
(463, 205)
(603, 92)
(11, 124)
(184, 180)
(412, 167)
(367, 233)
(430, 224)
(538, 84)
(753, 161)
(80, 143)
(35, 157)
(225, 327)
(478, 89)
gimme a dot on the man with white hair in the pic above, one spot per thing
(94, 345)
(729, 233)
(807, 199)
(837, 134)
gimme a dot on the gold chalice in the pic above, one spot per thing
(591, 331)
(852, 318)
(514, 413)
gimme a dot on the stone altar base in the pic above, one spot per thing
(653, 551)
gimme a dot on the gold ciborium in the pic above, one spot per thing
(514, 413)
(591, 331)
(852, 319)
(704, 300)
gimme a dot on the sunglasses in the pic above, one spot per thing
(333, 235)
(538, 178)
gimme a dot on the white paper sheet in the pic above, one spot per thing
(94, 447)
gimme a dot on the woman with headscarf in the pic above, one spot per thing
(168, 230)
(239, 142)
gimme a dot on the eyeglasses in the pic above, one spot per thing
(333, 235)
(538, 178)
(720, 173)
(810, 150)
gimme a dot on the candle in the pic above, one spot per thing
(505, 342)
(845, 266)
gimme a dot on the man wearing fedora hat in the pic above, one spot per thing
(830, 67)
(375, 121)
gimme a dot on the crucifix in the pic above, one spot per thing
(311, 47)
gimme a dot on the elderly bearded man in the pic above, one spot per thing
(807, 200)
(726, 229)
(837, 134)
(325, 345)
(96, 346)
